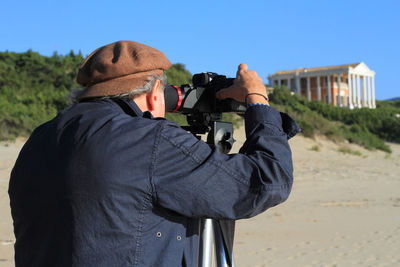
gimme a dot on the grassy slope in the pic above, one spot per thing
(366, 127)
(33, 88)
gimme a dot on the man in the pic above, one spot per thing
(109, 183)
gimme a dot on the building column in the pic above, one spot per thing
(350, 88)
(368, 96)
(338, 99)
(365, 83)
(298, 84)
(364, 92)
(359, 90)
(355, 95)
(271, 82)
(318, 88)
(373, 91)
(288, 84)
(370, 105)
(308, 89)
(328, 79)
(279, 82)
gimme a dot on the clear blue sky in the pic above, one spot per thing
(218, 35)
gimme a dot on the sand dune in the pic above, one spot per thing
(344, 210)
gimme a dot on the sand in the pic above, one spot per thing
(344, 210)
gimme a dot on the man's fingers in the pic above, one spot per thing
(221, 94)
(235, 90)
(242, 67)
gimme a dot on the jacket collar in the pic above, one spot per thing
(131, 108)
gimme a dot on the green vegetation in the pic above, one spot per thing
(33, 88)
(366, 127)
(346, 150)
(381, 122)
(316, 148)
(178, 75)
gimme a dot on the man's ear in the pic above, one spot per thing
(152, 97)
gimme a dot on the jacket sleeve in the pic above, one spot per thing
(192, 179)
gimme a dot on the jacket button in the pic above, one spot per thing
(159, 234)
(179, 237)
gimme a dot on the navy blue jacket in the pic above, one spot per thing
(101, 185)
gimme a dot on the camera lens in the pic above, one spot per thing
(173, 98)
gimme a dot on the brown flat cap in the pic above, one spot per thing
(119, 68)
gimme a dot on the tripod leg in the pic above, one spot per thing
(207, 244)
(224, 256)
(216, 237)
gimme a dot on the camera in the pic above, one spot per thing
(198, 101)
(203, 110)
(200, 97)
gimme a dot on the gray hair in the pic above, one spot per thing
(74, 95)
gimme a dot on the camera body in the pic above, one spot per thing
(203, 110)
(200, 97)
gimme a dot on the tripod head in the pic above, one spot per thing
(220, 134)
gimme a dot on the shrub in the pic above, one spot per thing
(316, 148)
(366, 127)
(346, 150)
(33, 88)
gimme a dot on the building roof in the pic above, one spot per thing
(317, 68)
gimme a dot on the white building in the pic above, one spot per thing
(351, 85)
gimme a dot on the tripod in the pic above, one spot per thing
(216, 236)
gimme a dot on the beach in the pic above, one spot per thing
(344, 209)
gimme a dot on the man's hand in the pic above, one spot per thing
(246, 82)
